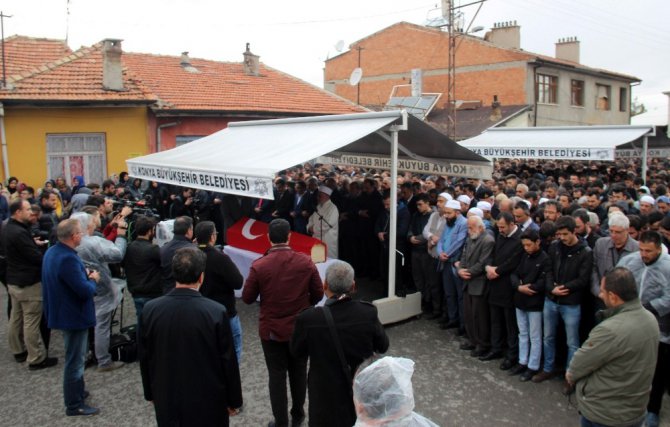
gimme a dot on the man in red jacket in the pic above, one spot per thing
(287, 282)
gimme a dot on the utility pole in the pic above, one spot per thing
(451, 74)
(358, 86)
(2, 34)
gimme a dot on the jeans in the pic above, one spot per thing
(76, 343)
(279, 361)
(103, 324)
(453, 293)
(584, 422)
(139, 306)
(530, 330)
(571, 315)
(236, 329)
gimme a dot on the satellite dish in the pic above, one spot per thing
(356, 76)
(339, 45)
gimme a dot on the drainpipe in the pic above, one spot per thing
(535, 67)
(158, 133)
(3, 140)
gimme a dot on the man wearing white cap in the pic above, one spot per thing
(647, 205)
(449, 248)
(488, 218)
(432, 232)
(465, 203)
(323, 224)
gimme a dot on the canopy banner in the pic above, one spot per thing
(459, 169)
(206, 180)
(572, 153)
(656, 153)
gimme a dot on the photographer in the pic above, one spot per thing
(108, 223)
(183, 204)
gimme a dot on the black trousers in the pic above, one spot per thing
(503, 325)
(661, 379)
(477, 324)
(279, 361)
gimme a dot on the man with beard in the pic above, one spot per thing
(651, 269)
(422, 262)
(432, 232)
(471, 269)
(323, 223)
(370, 206)
(506, 256)
(583, 227)
(449, 248)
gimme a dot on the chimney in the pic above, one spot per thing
(251, 63)
(112, 68)
(505, 34)
(496, 113)
(185, 60)
(568, 49)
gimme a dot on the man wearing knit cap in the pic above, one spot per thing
(323, 224)
(647, 205)
(449, 249)
(465, 203)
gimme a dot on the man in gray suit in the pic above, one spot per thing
(471, 268)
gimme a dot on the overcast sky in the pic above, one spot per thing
(296, 36)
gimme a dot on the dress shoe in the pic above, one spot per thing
(478, 353)
(518, 369)
(83, 410)
(542, 376)
(507, 365)
(449, 325)
(46, 363)
(491, 355)
(527, 375)
(467, 346)
(21, 357)
(297, 422)
(568, 388)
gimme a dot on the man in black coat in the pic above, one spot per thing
(187, 357)
(360, 334)
(183, 234)
(506, 255)
(142, 264)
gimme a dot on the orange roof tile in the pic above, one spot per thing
(224, 86)
(75, 77)
(163, 81)
(25, 53)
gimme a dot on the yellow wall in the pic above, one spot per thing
(125, 129)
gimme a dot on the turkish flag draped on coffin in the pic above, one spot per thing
(252, 235)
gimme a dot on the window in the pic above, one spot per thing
(577, 93)
(603, 97)
(72, 154)
(623, 99)
(545, 89)
(185, 139)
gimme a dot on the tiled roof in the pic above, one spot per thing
(224, 86)
(76, 77)
(25, 53)
(164, 82)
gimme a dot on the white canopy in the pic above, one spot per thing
(244, 158)
(560, 142)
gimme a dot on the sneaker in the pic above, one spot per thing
(46, 363)
(82, 411)
(542, 376)
(527, 375)
(652, 420)
(21, 357)
(110, 366)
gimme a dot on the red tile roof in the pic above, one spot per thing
(164, 82)
(25, 53)
(224, 86)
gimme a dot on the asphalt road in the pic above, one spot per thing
(450, 387)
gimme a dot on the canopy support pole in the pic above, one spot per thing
(644, 159)
(393, 309)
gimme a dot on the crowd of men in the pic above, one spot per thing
(515, 265)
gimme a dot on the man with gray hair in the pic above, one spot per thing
(355, 332)
(97, 253)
